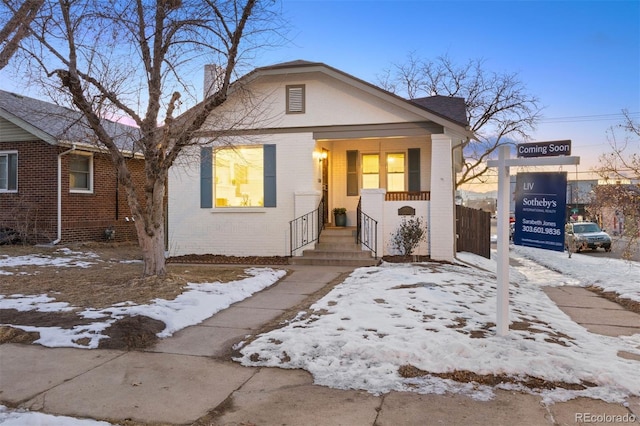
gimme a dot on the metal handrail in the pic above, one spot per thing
(306, 229)
(366, 230)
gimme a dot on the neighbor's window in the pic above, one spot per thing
(370, 171)
(80, 173)
(239, 177)
(295, 99)
(8, 171)
(395, 172)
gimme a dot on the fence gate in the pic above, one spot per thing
(473, 228)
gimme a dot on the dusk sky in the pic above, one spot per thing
(580, 58)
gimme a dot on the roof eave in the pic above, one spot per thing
(27, 127)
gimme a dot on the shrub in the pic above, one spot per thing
(408, 236)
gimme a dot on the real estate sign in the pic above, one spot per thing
(540, 210)
(543, 149)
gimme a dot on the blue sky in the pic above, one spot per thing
(580, 58)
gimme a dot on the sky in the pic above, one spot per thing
(580, 58)
(381, 318)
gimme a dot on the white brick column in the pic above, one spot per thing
(373, 205)
(442, 229)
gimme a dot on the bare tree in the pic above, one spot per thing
(619, 168)
(136, 59)
(17, 28)
(499, 109)
(623, 160)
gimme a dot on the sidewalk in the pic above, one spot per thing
(186, 379)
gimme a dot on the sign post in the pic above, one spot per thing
(503, 163)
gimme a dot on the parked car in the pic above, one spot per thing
(582, 235)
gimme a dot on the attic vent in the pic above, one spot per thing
(295, 99)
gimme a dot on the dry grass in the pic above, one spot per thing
(111, 278)
(113, 275)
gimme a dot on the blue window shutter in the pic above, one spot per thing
(206, 178)
(270, 191)
(352, 172)
(414, 170)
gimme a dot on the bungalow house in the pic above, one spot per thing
(56, 184)
(295, 141)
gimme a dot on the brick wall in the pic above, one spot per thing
(32, 210)
(85, 216)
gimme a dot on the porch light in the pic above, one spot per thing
(321, 155)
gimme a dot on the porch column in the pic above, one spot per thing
(373, 205)
(442, 230)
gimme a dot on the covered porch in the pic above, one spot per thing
(374, 177)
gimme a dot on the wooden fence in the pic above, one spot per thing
(474, 231)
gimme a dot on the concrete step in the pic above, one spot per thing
(344, 241)
(343, 231)
(337, 246)
(341, 254)
(333, 262)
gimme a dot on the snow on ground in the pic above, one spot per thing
(441, 318)
(438, 318)
(615, 275)
(23, 418)
(197, 303)
(65, 258)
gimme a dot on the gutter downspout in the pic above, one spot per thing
(57, 240)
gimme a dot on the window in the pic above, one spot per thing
(295, 99)
(80, 173)
(239, 177)
(8, 171)
(370, 171)
(395, 172)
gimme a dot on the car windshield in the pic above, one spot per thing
(585, 228)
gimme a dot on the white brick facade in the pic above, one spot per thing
(341, 114)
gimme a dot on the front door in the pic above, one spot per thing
(325, 185)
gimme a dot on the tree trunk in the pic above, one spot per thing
(150, 227)
(152, 251)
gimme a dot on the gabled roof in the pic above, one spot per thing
(57, 125)
(451, 109)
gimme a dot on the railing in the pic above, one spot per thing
(407, 196)
(367, 230)
(307, 228)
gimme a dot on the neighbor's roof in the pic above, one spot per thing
(56, 124)
(452, 109)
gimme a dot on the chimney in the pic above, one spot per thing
(213, 78)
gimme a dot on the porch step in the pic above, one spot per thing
(337, 247)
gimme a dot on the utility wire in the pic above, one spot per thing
(583, 118)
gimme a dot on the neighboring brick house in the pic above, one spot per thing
(56, 185)
(306, 138)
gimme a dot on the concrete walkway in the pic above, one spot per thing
(186, 380)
